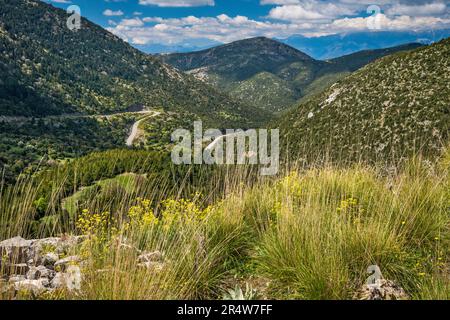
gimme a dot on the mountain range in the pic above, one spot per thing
(268, 73)
(337, 45)
(81, 85)
(322, 47)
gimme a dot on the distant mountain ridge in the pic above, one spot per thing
(268, 73)
(337, 45)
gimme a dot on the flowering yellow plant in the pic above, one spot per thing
(347, 205)
(142, 213)
(292, 183)
(182, 210)
(96, 223)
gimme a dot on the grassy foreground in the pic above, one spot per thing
(311, 234)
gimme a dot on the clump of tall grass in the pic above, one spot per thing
(192, 254)
(331, 224)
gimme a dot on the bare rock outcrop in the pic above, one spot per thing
(40, 265)
(382, 290)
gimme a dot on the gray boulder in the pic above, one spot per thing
(63, 245)
(36, 287)
(382, 290)
(15, 250)
(58, 281)
(62, 264)
(70, 280)
(39, 272)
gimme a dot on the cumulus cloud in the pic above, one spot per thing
(284, 18)
(279, 2)
(177, 3)
(294, 12)
(399, 23)
(309, 10)
(111, 13)
(427, 9)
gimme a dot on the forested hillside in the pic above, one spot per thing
(268, 73)
(389, 109)
(37, 143)
(48, 69)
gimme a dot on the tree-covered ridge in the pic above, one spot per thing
(392, 107)
(268, 73)
(241, 59)
(43, 142)
(48, 69)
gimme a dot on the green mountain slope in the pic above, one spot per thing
(392, 107)
(48, 69)
(268, 73)
(267, 90)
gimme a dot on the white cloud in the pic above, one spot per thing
(288, 17)
(295, 10)
(61, 1)
(279, 2)
(110, 13)
(222, 28)
(428, 9)
(177, 3)
(399, 23)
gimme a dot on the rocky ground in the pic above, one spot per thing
(39, 266)
(44, 265)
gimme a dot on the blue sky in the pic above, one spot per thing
(180, 25)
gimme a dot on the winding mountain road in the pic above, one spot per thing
(135, 128)
(129, 141)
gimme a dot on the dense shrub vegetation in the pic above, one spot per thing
(387, 110)
(268, 73)
(33, 143)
